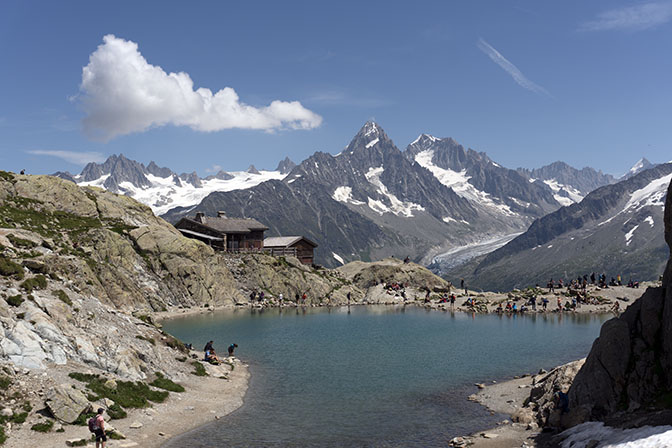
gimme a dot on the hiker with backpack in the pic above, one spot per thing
(97, 427)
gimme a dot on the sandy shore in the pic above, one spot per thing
(206, 399)
(506, 397)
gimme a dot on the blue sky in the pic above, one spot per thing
(528, 82)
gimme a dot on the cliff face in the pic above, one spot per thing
(630, 365)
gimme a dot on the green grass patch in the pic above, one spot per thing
(4, 175)
(144, 338)
(19, 418)
(20, 242)
(10, 269)
(5, 382)
(199, 369)
(43, 427)
(3, 436)
(37, 282)
(83, 418)
(116, 412)
(63, 297)
(175, 343)
(16, 300)
(164, 383)
(80, 442)
(114, 435)
(128, 394)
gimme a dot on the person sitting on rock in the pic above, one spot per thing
(616, 307)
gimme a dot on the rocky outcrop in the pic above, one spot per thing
(391, 270)
(66, 403)
(630, 365)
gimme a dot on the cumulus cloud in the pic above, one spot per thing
(631, 18)
(74, 157)
(122, 93)
(509, 68)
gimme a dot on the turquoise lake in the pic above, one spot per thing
(373, 376)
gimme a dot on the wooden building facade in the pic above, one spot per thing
(297, 246)
(223, 233)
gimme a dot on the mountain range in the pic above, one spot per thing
(372, 200)
(615, 230)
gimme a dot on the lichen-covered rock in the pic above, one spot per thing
(66, 403)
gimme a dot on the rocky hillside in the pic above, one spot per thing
(616, 229)
(628, 372)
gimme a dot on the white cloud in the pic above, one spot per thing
(214, 169)
(509, 68)
(74, 157)
(122, 93)
(631, 18)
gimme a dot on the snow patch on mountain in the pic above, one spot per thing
(398, 207)
(570, 196)
(649, 219)
(650, 196)
(459, 182)
(164, 194)
(344, 194)
(629, 235)
(372, 142)
(337, 258)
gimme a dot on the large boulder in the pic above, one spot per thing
(630, 365)
(66, 403)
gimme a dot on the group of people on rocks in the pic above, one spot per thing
(261, 297)
(210, 354)
(582, 281)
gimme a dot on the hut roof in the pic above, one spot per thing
(285, 241)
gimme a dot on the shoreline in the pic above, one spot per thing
(154, 426)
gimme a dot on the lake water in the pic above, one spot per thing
(373, 376)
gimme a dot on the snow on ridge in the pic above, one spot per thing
(344, 194)
(649, 219)
(96, 182)
(371, 128)
(650, 195)
(337, 257)
(573, 195)
(163, 195)
(427, 136)
(372, 142)
(397, 206)
(629, 235)
(459, 182)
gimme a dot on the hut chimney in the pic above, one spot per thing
(221, 214)
(200, 216)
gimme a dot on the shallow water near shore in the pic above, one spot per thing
(373, 376)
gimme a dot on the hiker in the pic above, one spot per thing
(592, 278)
(350, 297)
(97, 427)
(616, 307)
(23, 171)
(544, 303)
(232, 347)
(550, 286)
(303, 298)
(452, 300)
(561, 401)
(461, 283)
(208, 347)
(407, 260)
(280, 299)
(210, 355)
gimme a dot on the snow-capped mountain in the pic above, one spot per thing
(373, 200)
(615, 229)
(569, 185)
(639, 166)
(161, 188)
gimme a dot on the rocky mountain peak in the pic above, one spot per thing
(158, 171)
(370, 137)
(641, 165)
(285, 165)
(253, 170)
